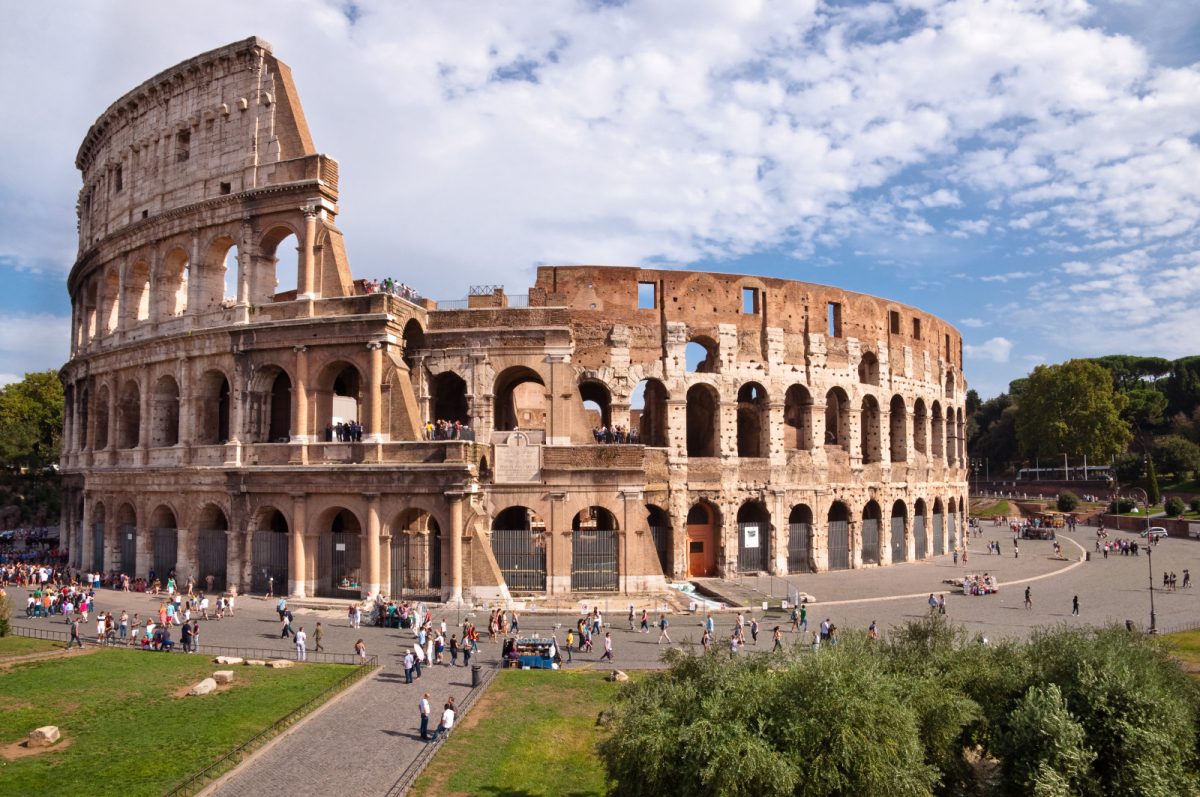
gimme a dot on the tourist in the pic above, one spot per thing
(662, 629)
(1028, 598)
(777, 637)
(360, 650)
(1075, 605)
(447, 721)
(423, 707)
(608, 650)
(301, 643)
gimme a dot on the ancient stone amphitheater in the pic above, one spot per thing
(220, 344)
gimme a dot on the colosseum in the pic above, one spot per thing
(240, 406)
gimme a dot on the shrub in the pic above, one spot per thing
(1174, 506)
(1122, 506)
(5, 615)
(1196, 504)
(1067, 501)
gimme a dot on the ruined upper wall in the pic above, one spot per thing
(221, 123)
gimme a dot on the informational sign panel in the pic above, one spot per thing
(750, 536)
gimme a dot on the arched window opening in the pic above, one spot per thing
(838, 536)
(702, 421)
(212, 409)
(84, 416)
(703, 521)
(270, 407)
(869, 436)
(920, 427)
(837, 418)
(659, 522)
(414, 341)
(754, 536)
(274, 275)
(212, 547)
(938, 433)
(339, 555)
(164, 537)
(519, 544)
(594, 551)
(898, 428)
(164, 414)
(753, 424)
(269, 553)
(339, 403)
(648, 412)
(520, 400)
(950, 385)
(920, 535)
(797, 419)
(871, 518)
(939, 528)
(899, 544)
(110, 301)
(218, 274)
(91, 310)
(448, 400)
(800, 522)
(416, 554)
(137, 291)
(700, 356)
(597, 406)
(129, 416)
(172, 284)
(868, 369)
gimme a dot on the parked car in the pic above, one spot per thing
(1154, 533)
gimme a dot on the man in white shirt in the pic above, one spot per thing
(447, 722)
(424, 707)
(301, 642)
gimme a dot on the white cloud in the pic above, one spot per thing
(972, 323)
(1008, 276)
(993, 350)
(32, 342)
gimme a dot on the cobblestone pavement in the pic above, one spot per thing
(361, 742)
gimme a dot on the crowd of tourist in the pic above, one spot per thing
(394, 287)
(347, 432)
(616, 434)
(448, 430)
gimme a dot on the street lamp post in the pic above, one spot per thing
(1150, 563)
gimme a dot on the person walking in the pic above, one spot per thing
(281, 608)
(662, 629)
(570, 643)
(74, 640)
(286, 631)
(360, 650)
(795, 619)
(1028, 598)
(608, 651)
(301, 644)
(423, 706)
(631, 617)
(754, 630)
(318, 635)
(777, 635)
(1075, 605)
(408, 667)
(803, 618)
(646, 612)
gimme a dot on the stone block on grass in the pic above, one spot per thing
(207, 686)
(281, 664)
(227, 660)
(223, 676)
(43, 736)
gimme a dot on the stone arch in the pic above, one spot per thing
(950, 384)
(659, 522)
(129, 415)
(649, 402)
(518, 539)
(136, 301)
(798, 419)
(126, 538)
(164, 413)
(414, 341)
(164, 541)
(100, 440)
(448, 398)
(701, 355)
(212, 408)
(937, 432)
(520, 400)
(91, 293)
(218, 272)
(800, 528)
(920, 530)
(269, 551)
(754, 537)
(83, 415)
(753, 421)
(339, 395)
(703, 421)
(270, 406)
(339, 553)
(97, 532)
(837, 418)
(899, 521)
(920, 427)
(868, 369)
(939, 527)
(110, 301)
(703, 524)
(171, 284)
(212, 546)
(838, 536)
(276, 272)
(870, 440)
(898, 429)
(594, 551)
(872, 519)
(596, 399)
(416, 553)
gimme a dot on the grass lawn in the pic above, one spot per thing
(533, 734)
(997, 509)
(1185, 645)
(13, 645)
(124, 731)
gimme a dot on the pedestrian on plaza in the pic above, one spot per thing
(942, 603)
(1075, 605)
(360, 649)
(933, 603)
(286, 631)
(709, 625)
(662, 629)
(447, 721)
(281, 608)
(419, 656)
(608, 651)
(195, 636)
(318, 635)
(872, 631)
(301, 644)
(754, 630)
(777, 636)
(955, 556)
(185, 637)
(467, 649)
(631, 617)
(423, 707)
(124, 627)
(705, 640)
(804, 618)
(646, 613)
(816, 642)
(1016, 552)
(1028, 598)
(408, 667)
(270, 586)
(795, 619)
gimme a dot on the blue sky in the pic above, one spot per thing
(1028, 170)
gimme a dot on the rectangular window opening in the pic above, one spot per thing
(947, 347)
(226, 188)
(118, 180)
(145, 214)
(646, 296)
(894, 322)
(183, 146)
(835, 319)
(916, 329)
(750, 301)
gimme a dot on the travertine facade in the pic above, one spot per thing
(821, 430)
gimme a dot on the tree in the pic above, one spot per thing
(1071, 408)
(1178, 455)
(1044, 749)
(1067, 501)
(31, 421)
(1153, 493)
(1174, 506)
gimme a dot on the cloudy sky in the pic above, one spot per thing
(1028, 170)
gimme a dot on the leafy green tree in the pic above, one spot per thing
(992, 432)
(1182, 386)
(1178, 455)
(1071, 408)
(1153, 493)
(1129, 466)
(5, 615)
(1174, 506)
(1044, 749)
(1067, 501)
(31, 421)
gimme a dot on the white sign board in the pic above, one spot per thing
(340, 546)
(750, 536)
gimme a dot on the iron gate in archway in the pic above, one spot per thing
(339, 565)
(98, 547)
(594, 560)
(521, 555)
(269, 560)
(662, 546)
(919, 537)
(214, 553)
(870, 541)
(839, 545)
(799, 537)
(166, 551)
(128, 549)
(752, 546)
(899, 550)
(939, 544)
(416, 563)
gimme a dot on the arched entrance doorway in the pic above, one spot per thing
(339, 555)
(519, 545)
(165, 536)
(939, 529)
(269, 553)
(870, 533)
(899, 544)
(839, 537)
(416, 554)
(594, 546)
(920, 540)
(754, 534)
(660, 530)
(213, 547)
(702, 523)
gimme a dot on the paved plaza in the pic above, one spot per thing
(365, 738)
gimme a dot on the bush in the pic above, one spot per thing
(1196, 504)
(5, 615)
(1174, 506)
(1067, 501)
(1122, 506)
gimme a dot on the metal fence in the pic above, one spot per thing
(899, 549)
(939, 544)
(594, 560)
(662, 545)
(339, 564)
(839, 545)
(269, 560)
(98, 547)
(521, 555)
(416, 563)
(920, 543)
(128, 548)
(753, 542)
(166, 550)
(214, 556)
(799, 540)
(870, 541)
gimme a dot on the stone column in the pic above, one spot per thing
(114, 386)
(558, 555)
(195, 276)
(296, 559)
(854, 435)
(305, 280)
(83, 558)
(372, 544)
(454, 592)
(374, 424)
(385, 564)
(145, 411)
(300, 435)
